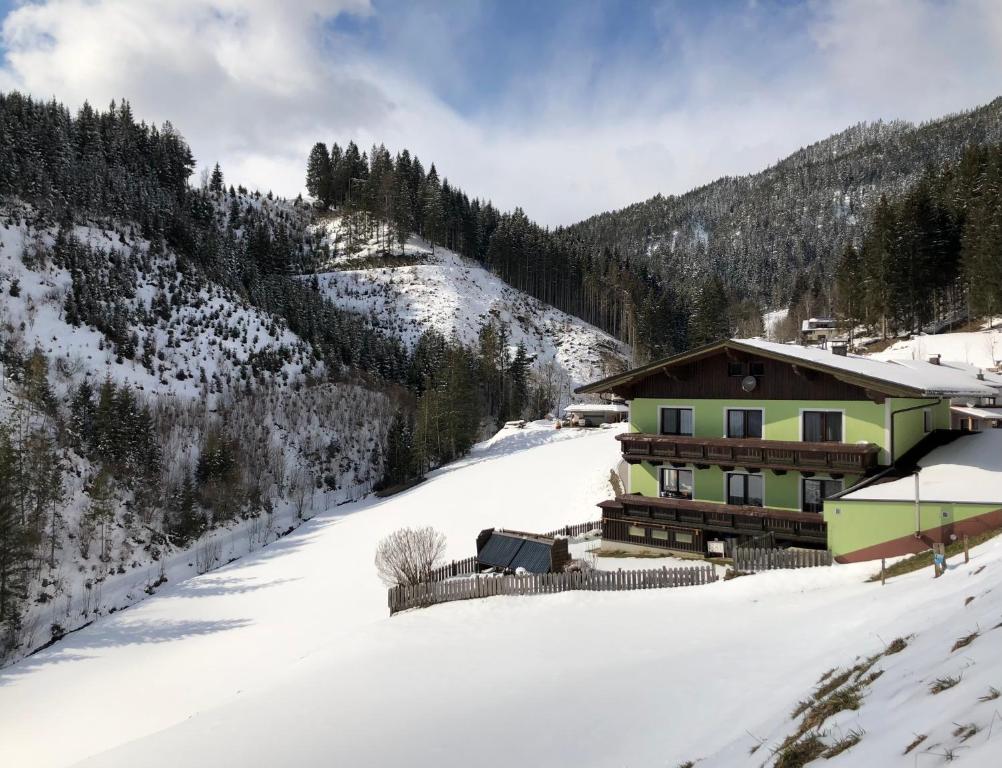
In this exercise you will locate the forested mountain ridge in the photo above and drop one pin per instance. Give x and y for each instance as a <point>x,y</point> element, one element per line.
<point>177,389</point>
<point>669,272</point>
<point>772,235</point>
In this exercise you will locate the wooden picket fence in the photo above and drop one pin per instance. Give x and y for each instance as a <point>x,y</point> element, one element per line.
<point>429,593</point>
<point>468,565</point>
<point>574,530</point>
<point>752,559</point>
<point>453,569</point>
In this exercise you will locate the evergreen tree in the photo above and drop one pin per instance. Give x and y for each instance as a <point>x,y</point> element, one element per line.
<point>711,319</point>
<point>216,180</point>
<point>319,175</point>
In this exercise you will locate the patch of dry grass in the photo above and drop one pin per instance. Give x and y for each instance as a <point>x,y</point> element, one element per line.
<point>965,641</point>
<point>919,738</point>
<point>850,740</point>
<point>941,684</point>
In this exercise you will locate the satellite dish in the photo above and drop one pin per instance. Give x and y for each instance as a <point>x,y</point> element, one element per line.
<point>748,383</point>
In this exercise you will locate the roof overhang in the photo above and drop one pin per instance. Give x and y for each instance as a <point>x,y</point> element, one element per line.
<point>869,383</point>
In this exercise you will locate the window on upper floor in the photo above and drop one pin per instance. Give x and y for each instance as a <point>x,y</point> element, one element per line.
<point>676,421</point>
<point>822,427</point>
<point>744,422</point>
<point>735,368</point>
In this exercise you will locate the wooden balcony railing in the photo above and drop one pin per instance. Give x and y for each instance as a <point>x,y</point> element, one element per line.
<point>726,519</point>
<point>845,458</point>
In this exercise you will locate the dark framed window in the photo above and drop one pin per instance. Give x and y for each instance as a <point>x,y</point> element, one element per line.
<point>815,492</point>
<point>928,423</point>
<point>735,368</point>
<point>676,421</point>
<point>745,489</point>
<point>676,483</point>
<point>744,423</point>
<point>756,368</point>
<point>822,427</point>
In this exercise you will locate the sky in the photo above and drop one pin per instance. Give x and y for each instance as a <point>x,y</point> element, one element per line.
<point>566,108</point>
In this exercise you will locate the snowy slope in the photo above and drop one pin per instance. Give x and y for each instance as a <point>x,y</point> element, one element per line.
<point>455,296</point>
<point>212,331</point>
<point>288,657</point>
<point>220,364</point>
<point>982,349</point>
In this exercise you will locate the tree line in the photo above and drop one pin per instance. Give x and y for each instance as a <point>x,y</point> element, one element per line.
<point>932,253</point>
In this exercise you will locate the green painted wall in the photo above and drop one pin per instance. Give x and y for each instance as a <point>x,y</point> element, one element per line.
<point>909,425</point>
<point>855,525</point>
<point>781,491</point>
<point>864,420</point>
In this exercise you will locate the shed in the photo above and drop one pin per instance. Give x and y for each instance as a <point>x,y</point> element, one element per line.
<point>593,414</point>
<point>511,550</point>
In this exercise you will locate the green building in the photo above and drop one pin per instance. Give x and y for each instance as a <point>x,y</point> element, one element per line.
<point>745,440</point>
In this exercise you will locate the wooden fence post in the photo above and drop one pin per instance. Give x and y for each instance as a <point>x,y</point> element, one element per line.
<point>967,549</point>
<point>883,571</point>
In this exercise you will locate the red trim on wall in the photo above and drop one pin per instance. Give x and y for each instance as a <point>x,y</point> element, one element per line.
<point>910,545</point>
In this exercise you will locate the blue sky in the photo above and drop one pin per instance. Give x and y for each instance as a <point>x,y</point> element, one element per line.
<point>565,108</point>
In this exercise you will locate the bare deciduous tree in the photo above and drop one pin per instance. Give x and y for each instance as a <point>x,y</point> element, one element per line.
<point>407,555</point>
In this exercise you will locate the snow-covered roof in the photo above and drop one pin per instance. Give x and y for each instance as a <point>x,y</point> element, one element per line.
<point>818,324</point>
<point>928,378</point>
<point>978,412</point>
<point>968,470</point>
<point>895,378</point>
<point>596,408</point>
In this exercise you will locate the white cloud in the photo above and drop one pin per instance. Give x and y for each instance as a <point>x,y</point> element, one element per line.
<point>254,84</point>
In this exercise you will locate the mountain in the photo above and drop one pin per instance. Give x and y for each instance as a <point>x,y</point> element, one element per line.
<point>773,235</point>
<point>181,386</point>
<point>433,288</point>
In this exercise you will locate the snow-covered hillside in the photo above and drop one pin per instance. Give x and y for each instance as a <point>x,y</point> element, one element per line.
<point>201,337</point>
<point>98,303</point>
<point>982,349</point>
<point>288,657</point>
<point>445,292</point>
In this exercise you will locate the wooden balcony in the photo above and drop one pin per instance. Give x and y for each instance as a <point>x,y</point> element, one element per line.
<point>778,455</point>
<point>723,519</point>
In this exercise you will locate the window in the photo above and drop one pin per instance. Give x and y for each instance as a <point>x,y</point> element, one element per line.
<point>637,531</point>
<point>822,427</point>
<point>735,368</point>
<point>816,491</point>
<point>928,423</point>
<point>676,483</point>
<point>683,538</point>
<point>659,534</point>
<point>744,489</point>
<point>744,423</point>
<point>676,421</point>
<point>756,368</point>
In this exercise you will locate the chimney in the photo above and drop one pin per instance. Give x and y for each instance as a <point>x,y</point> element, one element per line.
<point>840,349</point>
<point>934,359</point>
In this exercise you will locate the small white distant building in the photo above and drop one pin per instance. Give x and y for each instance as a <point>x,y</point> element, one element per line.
<point>976,417</point>
<point>817,330</point>
<point>593,414</point>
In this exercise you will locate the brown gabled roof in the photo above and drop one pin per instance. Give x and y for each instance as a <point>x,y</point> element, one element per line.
<point>916,379</point>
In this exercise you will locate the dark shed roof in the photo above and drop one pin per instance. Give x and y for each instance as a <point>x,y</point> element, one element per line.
<point>511,550</point>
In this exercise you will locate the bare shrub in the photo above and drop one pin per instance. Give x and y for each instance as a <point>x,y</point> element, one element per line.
<point>408,555</point>
<point>207,554</point>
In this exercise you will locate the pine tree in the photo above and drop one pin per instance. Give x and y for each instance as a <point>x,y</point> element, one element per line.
<point>711,319</point>
<point>319,175</point>
<point>216,180</point>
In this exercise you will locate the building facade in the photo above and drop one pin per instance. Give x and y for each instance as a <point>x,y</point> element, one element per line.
<point>744,440</point>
